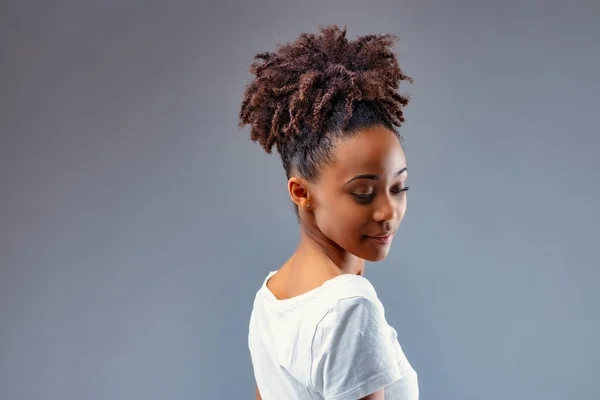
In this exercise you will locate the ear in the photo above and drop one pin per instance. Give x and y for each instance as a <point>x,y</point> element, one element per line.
<point>298,190</point>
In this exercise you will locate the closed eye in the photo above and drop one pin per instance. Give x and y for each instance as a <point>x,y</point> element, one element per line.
<point>400,190</point>
<point>367,198</point>
<point>363,198</point>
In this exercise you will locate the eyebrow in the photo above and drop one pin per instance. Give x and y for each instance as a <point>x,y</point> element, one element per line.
<point>375,177</point>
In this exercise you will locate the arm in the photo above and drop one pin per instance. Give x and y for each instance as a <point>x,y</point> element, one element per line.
<point>378,395</point>
<point>260,398</point>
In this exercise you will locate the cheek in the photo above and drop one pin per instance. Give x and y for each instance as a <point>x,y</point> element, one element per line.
<point>404,205</point>
<point>342,223</point>
<point>402,208</point>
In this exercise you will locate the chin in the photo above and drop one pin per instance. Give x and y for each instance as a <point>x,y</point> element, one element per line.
<point>368,251</point>
<point>378,257</point>
<point>373,252</point>
<point>374,256</point>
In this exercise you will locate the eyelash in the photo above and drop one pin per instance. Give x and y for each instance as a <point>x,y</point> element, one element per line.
<point>366,198</point>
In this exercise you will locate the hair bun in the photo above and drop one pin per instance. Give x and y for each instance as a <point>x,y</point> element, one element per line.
<point>298,86</point>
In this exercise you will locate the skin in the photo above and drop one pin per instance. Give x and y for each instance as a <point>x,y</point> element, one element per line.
<point>346,208</point>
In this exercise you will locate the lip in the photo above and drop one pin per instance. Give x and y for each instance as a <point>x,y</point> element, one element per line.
<point>382,239</point>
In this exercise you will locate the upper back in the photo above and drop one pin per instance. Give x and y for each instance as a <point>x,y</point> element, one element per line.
<point>281,332</point>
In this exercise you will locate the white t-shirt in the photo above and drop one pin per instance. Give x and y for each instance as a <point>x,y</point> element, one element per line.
<point>332,343</point>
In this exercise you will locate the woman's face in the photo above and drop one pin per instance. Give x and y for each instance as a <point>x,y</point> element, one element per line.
<point>360,199</point>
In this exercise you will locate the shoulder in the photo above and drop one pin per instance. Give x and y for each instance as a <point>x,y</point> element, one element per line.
<point>350,286</point>
<point>350,312</point>
<point>353,332</point>
<point>350,299</point>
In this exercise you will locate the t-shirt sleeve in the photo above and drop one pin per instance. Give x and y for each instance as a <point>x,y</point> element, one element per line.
<point>352,354</point>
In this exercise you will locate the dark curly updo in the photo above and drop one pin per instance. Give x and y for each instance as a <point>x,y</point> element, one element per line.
<point>319,88</point>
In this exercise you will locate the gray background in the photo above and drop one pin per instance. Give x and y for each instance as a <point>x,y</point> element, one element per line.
<point>137,221</point>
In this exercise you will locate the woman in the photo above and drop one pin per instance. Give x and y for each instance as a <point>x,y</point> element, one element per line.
<point>329,105</point>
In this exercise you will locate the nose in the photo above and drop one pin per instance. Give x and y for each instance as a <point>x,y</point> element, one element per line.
<point>385,210</point>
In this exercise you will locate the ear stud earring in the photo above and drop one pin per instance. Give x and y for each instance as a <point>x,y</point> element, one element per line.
<point>307,205</point>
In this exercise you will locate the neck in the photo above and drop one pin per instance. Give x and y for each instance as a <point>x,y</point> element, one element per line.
<point>322,256</point>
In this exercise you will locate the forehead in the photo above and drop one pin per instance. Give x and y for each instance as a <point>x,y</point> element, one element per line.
<point>375,150</point>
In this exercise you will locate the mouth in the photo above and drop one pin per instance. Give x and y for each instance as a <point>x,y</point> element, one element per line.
<point>382,239</point>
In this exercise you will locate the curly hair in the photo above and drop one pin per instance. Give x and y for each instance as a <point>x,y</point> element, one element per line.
<point>320,88</point>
